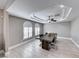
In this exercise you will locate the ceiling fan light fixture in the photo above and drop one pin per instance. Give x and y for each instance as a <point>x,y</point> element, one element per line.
<point>61,19</point>
<point>61,6</point>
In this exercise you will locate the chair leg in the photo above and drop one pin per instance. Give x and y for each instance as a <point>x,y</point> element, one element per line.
<point>53,46</point>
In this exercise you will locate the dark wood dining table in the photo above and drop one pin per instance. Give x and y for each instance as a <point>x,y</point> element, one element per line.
<point>46,40</point>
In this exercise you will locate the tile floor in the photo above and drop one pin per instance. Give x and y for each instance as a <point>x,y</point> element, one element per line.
<point>32,49</point>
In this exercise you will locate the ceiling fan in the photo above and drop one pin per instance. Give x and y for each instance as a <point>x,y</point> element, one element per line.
<point>52,18</point>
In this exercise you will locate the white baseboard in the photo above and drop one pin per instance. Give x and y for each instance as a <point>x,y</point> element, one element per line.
<point>75,43</point>
<point>67,38</point>
<point>14,46</point>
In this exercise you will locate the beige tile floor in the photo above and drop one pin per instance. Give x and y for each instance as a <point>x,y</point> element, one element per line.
<point>65,49</point>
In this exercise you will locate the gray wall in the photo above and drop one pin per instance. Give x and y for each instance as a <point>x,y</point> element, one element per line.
<point>1,33</point>
<point>41,29</point>
<point>75,30</point>
<point>62,29</point>
<point>1,29</point>
<point>16,30</point>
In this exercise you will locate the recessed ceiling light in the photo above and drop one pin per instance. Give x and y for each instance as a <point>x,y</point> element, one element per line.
<point>61,6</point>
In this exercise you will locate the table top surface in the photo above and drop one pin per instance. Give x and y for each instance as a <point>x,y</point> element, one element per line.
<point>48,38</point>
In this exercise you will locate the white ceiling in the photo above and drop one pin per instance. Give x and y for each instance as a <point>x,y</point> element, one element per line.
<point>41,8</point>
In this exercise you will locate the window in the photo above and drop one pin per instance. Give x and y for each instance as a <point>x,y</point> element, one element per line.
<point>30,31</point>
<point>37,29</point>
<point>27,30</point>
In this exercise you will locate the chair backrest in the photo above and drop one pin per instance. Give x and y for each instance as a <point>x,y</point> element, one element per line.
<point>41,35</point>
<point>46,33</point>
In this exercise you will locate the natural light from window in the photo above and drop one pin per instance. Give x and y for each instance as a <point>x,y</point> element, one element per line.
<point>27,30</point>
